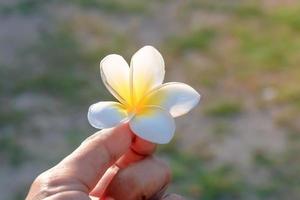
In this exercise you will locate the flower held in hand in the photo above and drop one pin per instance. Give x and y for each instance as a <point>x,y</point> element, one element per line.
<point>145,102</point>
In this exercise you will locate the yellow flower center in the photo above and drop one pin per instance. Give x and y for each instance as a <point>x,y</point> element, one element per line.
<point>137,107</point>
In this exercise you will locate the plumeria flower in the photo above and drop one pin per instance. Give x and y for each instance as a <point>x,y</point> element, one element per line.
<point>144,102</point>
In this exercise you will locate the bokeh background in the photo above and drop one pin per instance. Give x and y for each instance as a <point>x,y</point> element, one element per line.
<point>242,142</point>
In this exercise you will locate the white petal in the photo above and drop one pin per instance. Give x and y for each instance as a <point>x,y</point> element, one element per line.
<point>153,124</point>
<point>115,75</point>
<point>106,114</point>
<point>147,71</point>
<point>177,98</point>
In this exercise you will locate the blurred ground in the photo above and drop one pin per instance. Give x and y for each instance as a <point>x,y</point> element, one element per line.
<point>242,142</point>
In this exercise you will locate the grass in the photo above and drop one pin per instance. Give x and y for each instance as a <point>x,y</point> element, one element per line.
<point>197,40</point>
<point>275,48</point>
<point>3,83</point>
<point>116,6</point>
<point>266,53</point>
<point>222,129</point>
<point>117,45</point>
<point>288,120</point>
<point>242,9</point>
<point>24,7</point>
<point>224,108</point>
<point>248,10</point>
<point>287,16</point>
<point>291,95</point>
<point>75,137</point>
<point>21,194</point>
<point>199,181</point>
<point>10,117</point>
<point>219,184</point>
<point>68,87</point>
<point>12,151</point>
<point>179,161</point>
<point>288,98</point>
<point>58,49</point>
<point>214,6</point>
<point>66,74</point>
<point>283,172</point>
<point>29,6</point>
<point>261,159</point>
<point>268,191</point>
<point>263,53</point>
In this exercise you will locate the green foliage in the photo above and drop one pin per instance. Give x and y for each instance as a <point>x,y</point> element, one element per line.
<point>197,40</point>
<point>220,183</point>
<point>250,10</point>
<point>269,190</point>
<point>75,137</point>
<point>12,150</point>
<point>290,94</point>
<point>288,16</point>
<point>66,74</point>
<point>10,117</point>
<point>170,149</point>
<point>259,45</point>
<point>199,181</point>
<point>242,9</point>
<point>21,194</point>
<point>275,48</point>
<point>181,163</point>
<point>58,49</point>
<point>23,7</point>
<point>262,52</point>
<point>222,129</point>
<point>118,44</point>
<point>261,159</point>
<point>132,6</point>
<point>223,108</point>
<point>61,85</point>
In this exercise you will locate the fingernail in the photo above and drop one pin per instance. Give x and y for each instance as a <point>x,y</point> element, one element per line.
<point>160,194</point>
<point>172,196</point>
<point>165,196</point>
<point>108,198</point>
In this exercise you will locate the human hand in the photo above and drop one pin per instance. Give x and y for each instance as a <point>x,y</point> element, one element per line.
<point>111,164</point>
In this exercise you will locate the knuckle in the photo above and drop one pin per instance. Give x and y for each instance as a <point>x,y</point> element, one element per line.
<point>91,138</point>
<point>44,182</point>
<point>133,183</point>
<point>48,184</point>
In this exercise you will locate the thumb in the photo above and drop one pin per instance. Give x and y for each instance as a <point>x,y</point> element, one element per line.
<point>82,169</point>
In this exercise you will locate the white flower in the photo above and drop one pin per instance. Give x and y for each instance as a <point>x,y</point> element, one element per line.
<point>148,105</point>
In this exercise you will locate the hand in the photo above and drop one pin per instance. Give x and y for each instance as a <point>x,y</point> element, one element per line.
<point>111,164</point>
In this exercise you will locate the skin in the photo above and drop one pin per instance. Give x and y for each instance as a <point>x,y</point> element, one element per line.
<point>112,164</point>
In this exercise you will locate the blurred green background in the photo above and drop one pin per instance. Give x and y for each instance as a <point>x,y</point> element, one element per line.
<point>243,56</point>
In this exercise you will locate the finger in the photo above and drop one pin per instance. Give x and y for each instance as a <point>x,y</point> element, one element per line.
<point>142,147</point>
<point>172,197</point>
<point>94,156</point>
<point>139,180</point>
<point>139,149</point>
